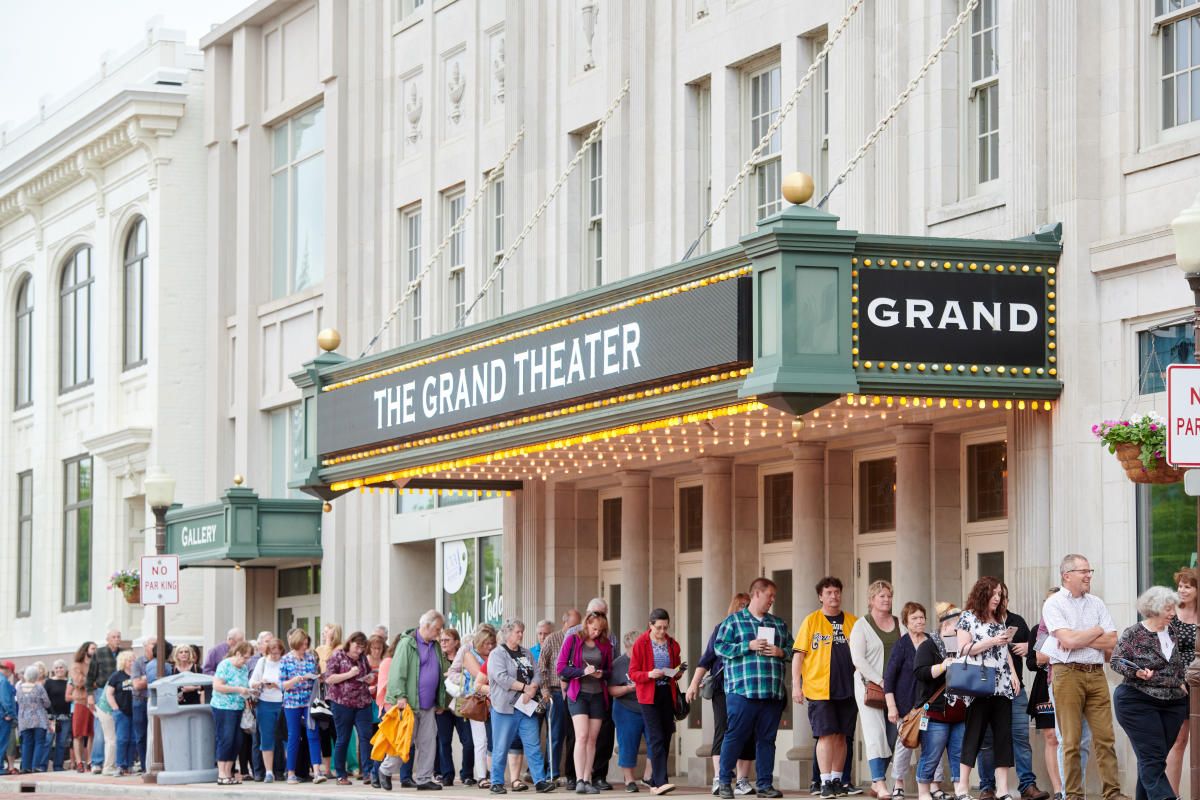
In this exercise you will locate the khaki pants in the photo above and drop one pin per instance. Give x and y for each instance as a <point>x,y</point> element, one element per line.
<point>1079,695</point>
<point>109,726</point>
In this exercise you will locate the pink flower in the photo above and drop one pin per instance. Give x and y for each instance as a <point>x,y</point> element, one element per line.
<point>1153,427</point>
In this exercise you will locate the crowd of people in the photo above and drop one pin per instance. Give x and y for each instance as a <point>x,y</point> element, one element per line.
<point>971,682</point>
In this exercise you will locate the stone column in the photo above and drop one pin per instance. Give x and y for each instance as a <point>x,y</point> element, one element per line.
<point>914,556</point>
<point>1033,565</point>
<point>635,547</point>
<point>717,538</point>
<point>947,518</point>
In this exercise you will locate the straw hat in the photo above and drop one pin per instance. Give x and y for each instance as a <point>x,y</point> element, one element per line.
<point>946,610</point>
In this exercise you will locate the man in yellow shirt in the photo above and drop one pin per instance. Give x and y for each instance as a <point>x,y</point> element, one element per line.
<point>823,676</point>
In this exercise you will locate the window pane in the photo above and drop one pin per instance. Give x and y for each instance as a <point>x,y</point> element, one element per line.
<point>279,234</point>
<point>85,480</point>
<point>279,140</point>
<point>990,564</point>
<point>458,584</point>
<point>611,547</point>
<point>72,483</point>
<point>1166,533</point>
<point>308,132</point>
<point>83,557</point>
<point>24,543</point>
<point>691,519</point>
<point>877,495</point>
<point>66,344</point>
<point>491,584</point>
<point>1168,102</point>
<point>308,236</point>
<point>987,482</point>
<point>83,330</point>
<point>135,311</point>
<point>777,508</point>
<point>1181,99</point>
<point>1157,349</point>
<point>412,501</point>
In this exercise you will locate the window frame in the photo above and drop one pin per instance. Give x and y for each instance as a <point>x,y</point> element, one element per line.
<point>24,582</point>
<point>23,319</point>
<point>290,166</point>
<point>1158,24</point>
<point>71,601</point>
<point>74,382</point>
<point>987,87</point>
<point>765,478</point>
<point>701,94</point>
<point>593,216</point>
<point>969,497</point>
<point>494,242</point>
<point>860,503</point>
<point>767,173</point>
<point>996,524</point>
<point>455,255</point>
<point>610,502</point>
<point>410,266</point>
<point>680,488</point>
<point>135,262</point>
<point>820,114</point>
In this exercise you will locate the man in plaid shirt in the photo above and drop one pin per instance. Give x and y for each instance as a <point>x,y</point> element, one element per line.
<point>750,642</point>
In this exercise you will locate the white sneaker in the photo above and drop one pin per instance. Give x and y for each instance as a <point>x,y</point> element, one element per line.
<point>743,787</point>
<point>716,790</point>
<point>269,777</point>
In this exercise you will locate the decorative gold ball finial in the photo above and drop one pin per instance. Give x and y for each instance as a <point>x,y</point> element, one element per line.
<point>329,339</point>
<point>797,187</point>
<point>238,480</point>
<point>327,507</point>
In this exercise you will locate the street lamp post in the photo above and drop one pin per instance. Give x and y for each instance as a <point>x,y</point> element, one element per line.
<point>160,494</point>
<point>1187,257</point>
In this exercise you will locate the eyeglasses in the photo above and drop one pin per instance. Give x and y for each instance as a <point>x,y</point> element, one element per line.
<point>1083,571</point>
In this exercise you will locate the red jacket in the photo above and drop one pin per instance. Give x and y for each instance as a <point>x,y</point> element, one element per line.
<point>641,661</point>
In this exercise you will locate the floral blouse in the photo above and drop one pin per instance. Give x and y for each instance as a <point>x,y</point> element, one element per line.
<point>233,676</point>
<point>993,656</point>
<point>291,666</point>
<point>32,706</point>
<point>352,693</point>
<point>1184,634</point>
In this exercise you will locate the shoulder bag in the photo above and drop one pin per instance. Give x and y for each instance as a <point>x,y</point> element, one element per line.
<point>473,707</point>
<point>873,696</point>
<point>910,726</point>
<point>971,680</point>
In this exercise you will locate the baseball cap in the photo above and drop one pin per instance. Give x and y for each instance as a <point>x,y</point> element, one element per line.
<point>8,665</point>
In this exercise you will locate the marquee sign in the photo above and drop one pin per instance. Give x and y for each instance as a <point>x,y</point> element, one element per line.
<point>688,330</point>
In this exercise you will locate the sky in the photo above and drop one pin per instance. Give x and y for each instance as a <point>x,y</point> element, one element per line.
<point>49,46</point>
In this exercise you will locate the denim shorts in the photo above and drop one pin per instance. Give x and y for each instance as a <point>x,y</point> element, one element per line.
<point>591,705</point>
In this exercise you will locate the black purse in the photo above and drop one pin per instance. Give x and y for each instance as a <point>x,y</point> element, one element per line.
<point>682,707</point>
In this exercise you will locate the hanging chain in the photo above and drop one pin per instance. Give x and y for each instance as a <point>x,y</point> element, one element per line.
<point>454,229</point>
<point>583,148</point>
<point>901,99</point>
<point>765,141</point>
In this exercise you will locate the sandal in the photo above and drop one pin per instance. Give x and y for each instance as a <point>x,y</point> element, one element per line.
<point>224,781</point>
<point>485,784</point>
<point>520,786</point>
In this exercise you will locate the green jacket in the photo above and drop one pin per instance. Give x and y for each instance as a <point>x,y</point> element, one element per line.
<point>404,673</point>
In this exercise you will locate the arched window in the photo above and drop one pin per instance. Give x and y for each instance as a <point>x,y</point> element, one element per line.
<point>75,324</point>
<point>136,254</point>
<point>24,340</point>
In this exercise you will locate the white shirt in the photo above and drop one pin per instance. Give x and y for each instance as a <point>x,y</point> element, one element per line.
<point>1063,610</point>
<point>267,671</point>
<point>1165,644</point>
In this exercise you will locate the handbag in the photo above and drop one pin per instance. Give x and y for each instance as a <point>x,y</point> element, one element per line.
<point>910,726</point>
<point>708,685</point>
<point>248,723</point>
<point>971,680</point>
<point>318,706</point>
<point>473,707</point>
<point>682,708</point>
<point>454,685</point>
<point>873,697</point>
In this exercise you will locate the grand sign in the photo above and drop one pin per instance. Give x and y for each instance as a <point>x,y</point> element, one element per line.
<point>953,317</point>
<point>691,331</point>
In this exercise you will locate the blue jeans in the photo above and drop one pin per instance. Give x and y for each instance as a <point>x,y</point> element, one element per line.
<point>267,718</point>
<point>140,724</point>
<point>227,725</point>
<point>447,724</point>
<point>6,728</point>
<point>125,741</point>
<point>60,742</point>
<point>631,729</point>
<point>751,720</point>
<point>297,726</point>
<point>936,740</point>
<point>97,733</point>
<point>506,728</point>
<point>346,719</point>
<point>33,743</point>
<point>1022,755</point>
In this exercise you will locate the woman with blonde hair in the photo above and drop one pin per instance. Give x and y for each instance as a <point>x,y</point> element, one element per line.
<point>870,647</point>
<point>475,681</point>
<point>1183,629</point>
<point>119,691</point>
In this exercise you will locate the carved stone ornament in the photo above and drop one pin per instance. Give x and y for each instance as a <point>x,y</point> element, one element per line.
<point>590,10</point>
<point>498,70</point>
<point>412,112</point>
<point>456,86</point>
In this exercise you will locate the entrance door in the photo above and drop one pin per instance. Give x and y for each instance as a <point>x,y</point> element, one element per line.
<point>298,601</point>
<point>307,617</point>
<point>987,554</point>
<point>610,590</point>
<point>874,563</point>
<point>692,637</point>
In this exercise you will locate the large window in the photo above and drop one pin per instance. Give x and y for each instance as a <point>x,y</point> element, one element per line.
<point>298,203</point>
<point>1160,347</point>
<point>75,333</point>
<point>411,258</point>
<point>1177,23</point>
<point>691,519</point>
<point>987,482</point>
<point>77,533</point>
<point>768,170</point>
<point>472,582</point>
<point>24,544</point>
<point>610,524</point>
<point>455,203</point>
<point>595,213</point>
<point>984,93</point>
<point>777,508</point>
<point>23,339</point>
<point>136,254</point>
<point>1166,525</point>
<point>877,495</point>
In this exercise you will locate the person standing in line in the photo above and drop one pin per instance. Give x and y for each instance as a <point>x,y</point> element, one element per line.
<point>514,678</point>
<point>81,715</point>
<point>712,665</point>
<point>448,722</point>
<point>823,676</point>
<point>57,687</point>
<point>267,679</point>
<point>415,679</point>
<point>184,659</point>
<point>544,629</point>
<point>945,713</point>
<point>299,673</point>
<point>33,720</point>
<point>900,687</point>
<point>627,717</point>
<point>1041,708</point>
<point>8,710</point>
<point>871,642</point>
<point>119,692</point>
<point>103,664</point>
<point>606,739</point>
<point>1183,629</point>
<point>475,680</point>
<point>750,644</point>
<point>231,687</point>
<point>1080,631</point>
<point>250,756</point>
<point>220,651</point>
<point>1152,704</point>
<point>141,694</point>
<point>558,717</point>
<point>350,679</point>
<point>585,663</point>
<point>655,667</point>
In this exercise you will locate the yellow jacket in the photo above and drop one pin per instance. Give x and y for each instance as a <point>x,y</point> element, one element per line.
<point>394,737</point>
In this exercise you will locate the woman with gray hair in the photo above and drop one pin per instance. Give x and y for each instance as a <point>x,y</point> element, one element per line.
<point>60,715</point>
<point>514,678</point>
<point>1151,705</point>
<point>33,721</point>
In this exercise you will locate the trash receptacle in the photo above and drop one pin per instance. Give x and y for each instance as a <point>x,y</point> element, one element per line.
<point>188,734</point>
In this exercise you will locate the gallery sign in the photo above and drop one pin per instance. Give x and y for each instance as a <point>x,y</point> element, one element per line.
<point>638,344</point>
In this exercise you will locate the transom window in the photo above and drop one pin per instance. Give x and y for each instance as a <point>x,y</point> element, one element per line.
<point>77,533</point>
<point>411,230</point>
<point>595,212</point>
<point>23,340</point>
<point>24,544</point>
<point>987,481</point>
<point>298,203</point>
<point>75,334</point>
<point>764,110</point>
<point>777,508</point>
<point>456,203</point>
<point>877,495</point>
<point>136,254</point>
<point>610,511</point>
<point>1177,23</point>
<point>691,519</point>
<point>984,95</point>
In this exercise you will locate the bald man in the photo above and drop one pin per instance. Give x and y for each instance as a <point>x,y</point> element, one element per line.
<point>215,656</point>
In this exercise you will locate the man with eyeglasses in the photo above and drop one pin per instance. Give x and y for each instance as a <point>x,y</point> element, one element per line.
<point>1081,634</point>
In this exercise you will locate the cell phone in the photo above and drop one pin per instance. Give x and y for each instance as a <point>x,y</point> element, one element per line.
<point>1012,631</point>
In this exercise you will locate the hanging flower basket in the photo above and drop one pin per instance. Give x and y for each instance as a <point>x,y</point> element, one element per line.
<point>134,596</point>
<point>1139,443</point>
<point>129,583</point>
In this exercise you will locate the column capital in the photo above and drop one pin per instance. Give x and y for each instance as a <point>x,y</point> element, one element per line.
<point>634,478</point>
<point>807,451</point>
<point>912,434</point>
<point>715,465</point>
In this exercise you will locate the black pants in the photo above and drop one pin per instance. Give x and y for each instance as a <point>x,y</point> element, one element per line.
<point>721,724</point>
<point>604,746</point>
<point>985,713</point>
<point>1152,726</point>
<point>660,725</point>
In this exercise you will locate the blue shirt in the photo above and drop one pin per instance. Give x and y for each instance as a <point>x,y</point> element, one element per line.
<point>8,700</point>
<point>232,676</point>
